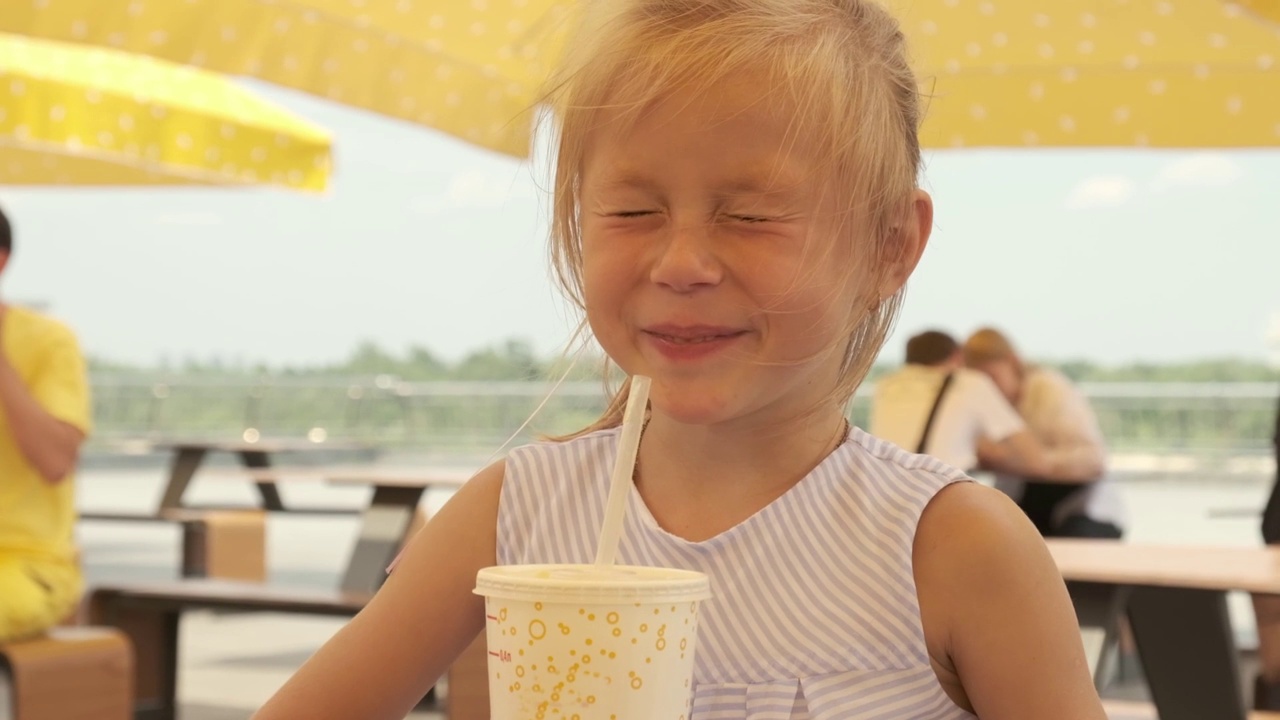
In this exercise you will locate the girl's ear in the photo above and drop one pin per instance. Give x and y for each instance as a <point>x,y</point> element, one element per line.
<point>912,235</point>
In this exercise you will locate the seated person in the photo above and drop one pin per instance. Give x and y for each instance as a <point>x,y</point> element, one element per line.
<point>1078,498</point>
<point>935,406</point>
<point>44,415</point>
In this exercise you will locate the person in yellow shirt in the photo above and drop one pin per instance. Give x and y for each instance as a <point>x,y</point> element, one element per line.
<point>44,418</point>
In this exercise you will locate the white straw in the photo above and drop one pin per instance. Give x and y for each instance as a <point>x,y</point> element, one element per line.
<point>615,510</point>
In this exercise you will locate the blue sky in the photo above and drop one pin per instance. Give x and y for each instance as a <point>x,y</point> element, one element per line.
<point>1106,255</point>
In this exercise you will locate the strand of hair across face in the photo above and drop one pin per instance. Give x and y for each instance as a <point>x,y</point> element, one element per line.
<point>573,363</point>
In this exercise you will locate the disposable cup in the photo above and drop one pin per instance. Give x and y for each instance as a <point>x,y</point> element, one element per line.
<point>580,642</point>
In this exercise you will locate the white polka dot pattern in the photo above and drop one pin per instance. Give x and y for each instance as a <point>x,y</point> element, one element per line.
<point>1160,73</point>
<point>1172,73</point>
<point>1266,9</point>
<point>73,115</point>
<point>471,68</point>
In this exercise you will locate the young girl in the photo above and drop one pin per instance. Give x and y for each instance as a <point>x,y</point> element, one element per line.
<point>736,212</point>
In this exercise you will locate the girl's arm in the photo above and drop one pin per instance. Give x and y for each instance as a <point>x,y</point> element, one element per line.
<point>996,613</point>
<point>382,662</point>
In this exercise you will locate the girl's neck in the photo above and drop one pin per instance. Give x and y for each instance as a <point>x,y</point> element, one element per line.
<point>699,481</point>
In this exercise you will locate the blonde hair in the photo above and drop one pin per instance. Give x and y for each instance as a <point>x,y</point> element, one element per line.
<point>987,345</point>
<point>842,65</point>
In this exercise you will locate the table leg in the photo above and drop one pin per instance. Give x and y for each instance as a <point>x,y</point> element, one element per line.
<point>1188,652</point>
<point>257,459</point>
<point>154,635</point>
<point>1100,605</point>
<point>1266,691</point>
<point>183,467</point>
<point>384,527</point>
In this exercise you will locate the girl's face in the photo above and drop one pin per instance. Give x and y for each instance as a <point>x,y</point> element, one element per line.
<point>717,258</point>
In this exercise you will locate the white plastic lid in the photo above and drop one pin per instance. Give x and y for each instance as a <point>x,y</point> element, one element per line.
<point>589,584</point>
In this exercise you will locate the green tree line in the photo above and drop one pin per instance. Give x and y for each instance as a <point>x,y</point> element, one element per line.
<point>515,359</point>
<point>355,398</point>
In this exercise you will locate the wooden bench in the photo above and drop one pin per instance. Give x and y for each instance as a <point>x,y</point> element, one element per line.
<point>150,615</point>
<point>224,544</point>
<point>80,673</point>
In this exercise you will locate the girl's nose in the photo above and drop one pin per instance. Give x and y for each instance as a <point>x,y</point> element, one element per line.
<point>687,260</point>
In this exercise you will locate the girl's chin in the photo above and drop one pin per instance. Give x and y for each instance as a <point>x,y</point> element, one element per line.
<point>690,406</point>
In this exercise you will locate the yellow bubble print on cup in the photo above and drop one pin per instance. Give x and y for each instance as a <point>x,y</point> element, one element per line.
<point>574,641</point>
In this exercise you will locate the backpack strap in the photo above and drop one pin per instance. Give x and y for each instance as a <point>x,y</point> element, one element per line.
<point>933,413</point>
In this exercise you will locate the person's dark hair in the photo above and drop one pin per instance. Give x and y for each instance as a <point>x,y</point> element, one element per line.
<point>931,347</point>
<point>6,233</point>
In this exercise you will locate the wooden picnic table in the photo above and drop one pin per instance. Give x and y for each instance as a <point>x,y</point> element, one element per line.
<point>1249,569</point>
<point>151,613</point>
<point>1175,598</point>
<point>1131,710</point>
<point>386,519</point>
<point>189,455</point>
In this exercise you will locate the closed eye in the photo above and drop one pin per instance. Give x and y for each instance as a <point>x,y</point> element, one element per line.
<point>749,218</point>
<point>632,213</point>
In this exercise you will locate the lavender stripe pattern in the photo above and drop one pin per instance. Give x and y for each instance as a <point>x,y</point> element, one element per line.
<point>815,615</point>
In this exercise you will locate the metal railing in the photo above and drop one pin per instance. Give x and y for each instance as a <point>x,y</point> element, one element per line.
<point>1213,418</point>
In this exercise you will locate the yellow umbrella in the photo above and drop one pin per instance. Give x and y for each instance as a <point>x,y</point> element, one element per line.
<point>71,115</point>
<point>1158,73</point>
<point>1177,73</point>
<point>468,67</point>
<point>1268,9</point>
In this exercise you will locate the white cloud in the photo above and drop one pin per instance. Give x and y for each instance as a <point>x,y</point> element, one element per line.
<point>474,190</point>
<point>1198,170</point>
<point>1101,191</point>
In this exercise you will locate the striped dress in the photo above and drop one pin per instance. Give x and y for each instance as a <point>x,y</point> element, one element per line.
<point>814,614</point>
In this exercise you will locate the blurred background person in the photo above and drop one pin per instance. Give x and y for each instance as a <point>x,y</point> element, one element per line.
<point>935,406</point>
<point>1078,499</point>
<point>44,418</point>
